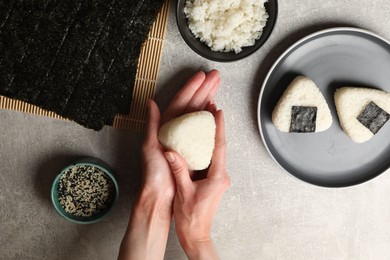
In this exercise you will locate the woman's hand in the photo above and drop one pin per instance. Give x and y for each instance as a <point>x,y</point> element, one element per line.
<point>195,202</point>
<point>158,184</point>
<point>197,94</point>
<point>148,228</point>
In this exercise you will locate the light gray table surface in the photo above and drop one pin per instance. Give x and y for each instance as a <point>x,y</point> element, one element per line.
<point>266,214</point>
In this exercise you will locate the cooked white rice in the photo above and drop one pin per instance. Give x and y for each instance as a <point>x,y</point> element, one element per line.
<point>226,25</point>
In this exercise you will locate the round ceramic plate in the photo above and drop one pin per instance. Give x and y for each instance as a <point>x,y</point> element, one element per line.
<point>332,58</point>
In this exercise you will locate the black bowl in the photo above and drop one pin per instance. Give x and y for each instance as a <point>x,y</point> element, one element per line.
<point>203,50</point>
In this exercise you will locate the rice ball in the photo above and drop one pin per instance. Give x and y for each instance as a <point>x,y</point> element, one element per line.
<point>351,102</point>
<point>302,104</point>
<point>192,136</point>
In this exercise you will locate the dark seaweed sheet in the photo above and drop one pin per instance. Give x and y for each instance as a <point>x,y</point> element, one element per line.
<point>76,58</point>
<point>18,27</point>
<point>303,119</point>
<point>373,117</point>
<point>128,53</point>
<point>34,71</point>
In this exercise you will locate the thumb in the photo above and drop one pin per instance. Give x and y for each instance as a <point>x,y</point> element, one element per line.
<point>180,173</point>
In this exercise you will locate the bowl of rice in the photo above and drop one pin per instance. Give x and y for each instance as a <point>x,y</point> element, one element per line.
<point>226,30</point>
<point>85,191</point>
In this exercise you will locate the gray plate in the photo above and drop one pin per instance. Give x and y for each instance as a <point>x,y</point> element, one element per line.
<point>331,58</point>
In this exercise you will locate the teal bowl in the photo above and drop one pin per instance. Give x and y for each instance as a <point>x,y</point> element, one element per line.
<point>93,162</point>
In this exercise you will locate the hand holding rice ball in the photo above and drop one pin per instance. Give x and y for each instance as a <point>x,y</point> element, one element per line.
<point>168,184</point>
<point>188,127</point>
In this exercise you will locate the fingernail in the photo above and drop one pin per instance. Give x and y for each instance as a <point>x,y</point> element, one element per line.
<point>170,157</point>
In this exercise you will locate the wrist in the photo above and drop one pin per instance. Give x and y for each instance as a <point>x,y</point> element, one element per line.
<point>155,206</point>
<point>199,249</point>
<point>148,228</point>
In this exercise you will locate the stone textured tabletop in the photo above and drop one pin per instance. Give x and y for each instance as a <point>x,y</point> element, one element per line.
<point>266,214</point>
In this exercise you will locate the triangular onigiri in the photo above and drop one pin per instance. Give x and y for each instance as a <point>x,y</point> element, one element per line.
<point>192,136</point>
<point>302,108</point>
<point>362,111</point>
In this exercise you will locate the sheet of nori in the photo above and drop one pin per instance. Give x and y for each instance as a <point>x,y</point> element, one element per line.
<point>80,59</point>
<point>373,117</point>
<point>32,72</point>
<point>94,72</point>
<point>100,66</point>
<point>74,54</point>
<point>17,31</point>
<point>6,6</point>
<point>303,119</point>
<point>122,78</point>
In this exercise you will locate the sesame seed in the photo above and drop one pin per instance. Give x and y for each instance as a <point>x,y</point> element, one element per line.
<point>85,191</point>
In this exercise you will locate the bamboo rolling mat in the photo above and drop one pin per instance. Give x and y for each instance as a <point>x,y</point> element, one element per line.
<point>145,81</point>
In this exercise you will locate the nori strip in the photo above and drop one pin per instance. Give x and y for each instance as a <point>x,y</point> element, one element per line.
<point>128,53</point>
<point>93,71</point>
<point>51,32</point>
<point>123,77</point>
<point>16,35</point>
<point>303,119</point>
<point>74,54</point>
<point>76,58</point>
<point>373,117</point>
<point>99,64</point>
<point>7,7</point>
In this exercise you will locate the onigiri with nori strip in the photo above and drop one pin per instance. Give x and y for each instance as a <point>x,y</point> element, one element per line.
<point>362,112</point>
<point>302,108</point>
<point>192,136</point>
